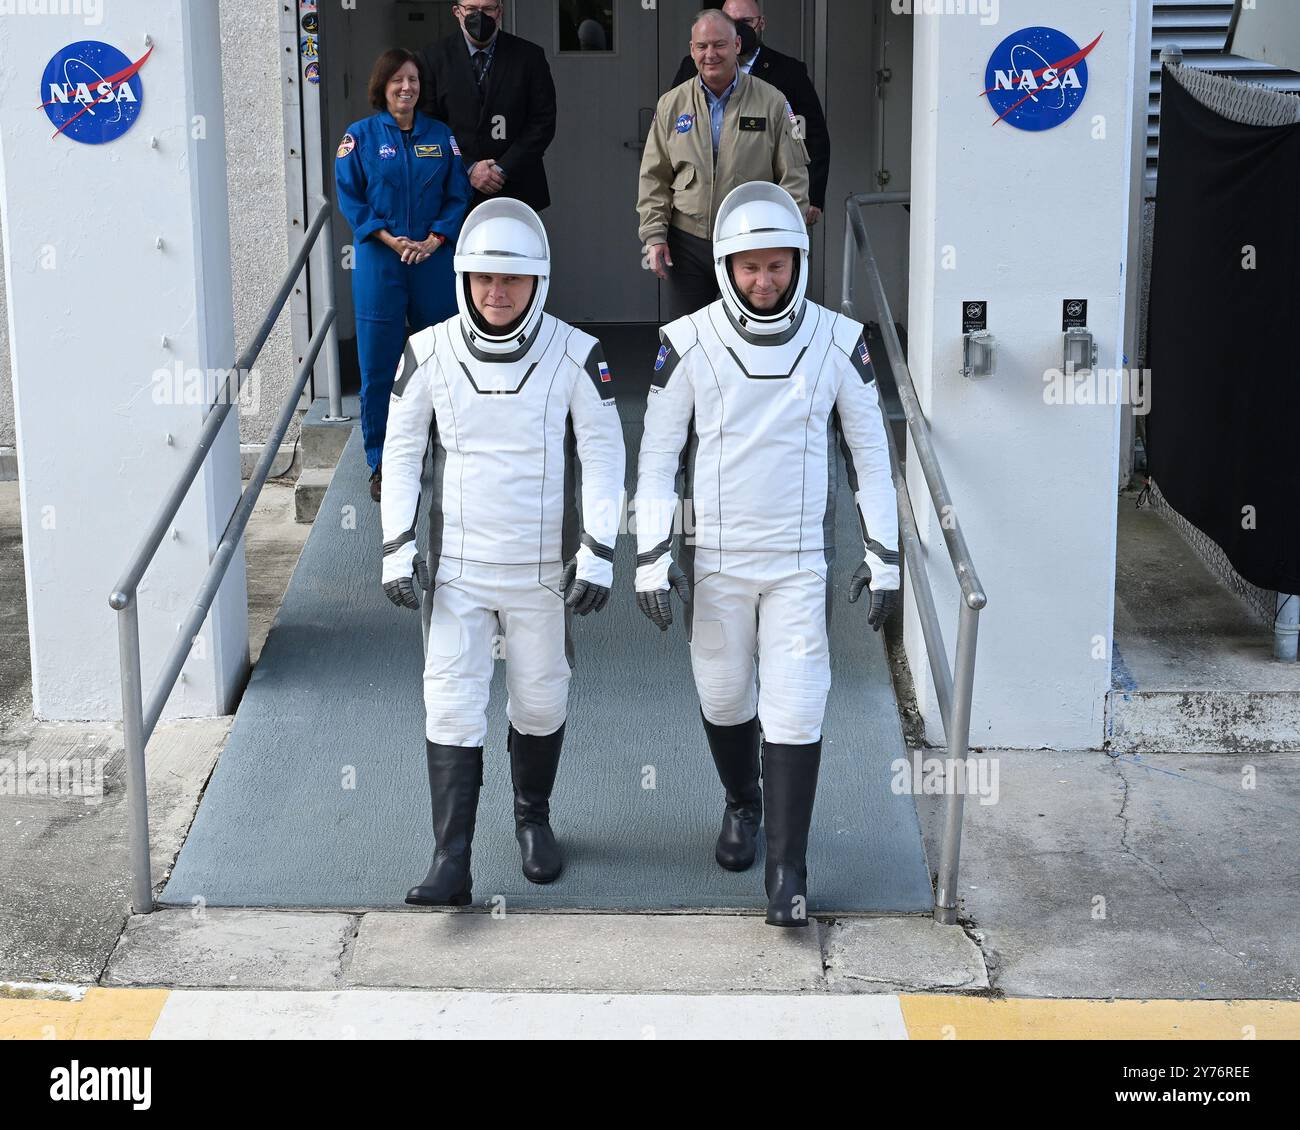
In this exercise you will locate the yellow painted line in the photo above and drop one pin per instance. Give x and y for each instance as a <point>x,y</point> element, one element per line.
<point>978,1018</point>
<point>103,1014</point>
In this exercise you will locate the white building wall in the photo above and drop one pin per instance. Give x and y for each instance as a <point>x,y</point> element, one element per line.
<point>1022,220</point>
<point>250,66</point>
<point>117,264</point>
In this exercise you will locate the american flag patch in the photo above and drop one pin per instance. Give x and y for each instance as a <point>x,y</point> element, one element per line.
<point>863,355</point>
<point>605,375</point>
<point>454,147</point>
<point>790,113</point>
<point>662,357</point>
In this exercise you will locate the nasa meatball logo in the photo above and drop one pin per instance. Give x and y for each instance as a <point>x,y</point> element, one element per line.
<point>662,357</point>
<point>1037,78</point>
<point>685,122</point>
<point>387,152</point>
<point>92,92</point>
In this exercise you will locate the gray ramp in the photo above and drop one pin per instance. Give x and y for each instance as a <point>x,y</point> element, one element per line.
<point>320,796</point>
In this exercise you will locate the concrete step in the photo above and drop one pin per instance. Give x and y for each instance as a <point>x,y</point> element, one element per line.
<point>322,443</point>
<point>1192,669</point>
<point>309,493</point>
<point>323,440</point>
<point>1203,721</point>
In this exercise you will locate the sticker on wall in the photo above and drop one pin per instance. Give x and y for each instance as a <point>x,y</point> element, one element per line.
<point>310,48</point>
<point>1036,78</point>
<point>310,22</point>
<point>974,316</point>
<point>1074,313</point>
<point>312,72</point>
<point>92,92</point>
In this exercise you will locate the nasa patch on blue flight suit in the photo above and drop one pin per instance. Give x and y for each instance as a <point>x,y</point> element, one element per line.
<point>387,152</point>
<point>428,150</point>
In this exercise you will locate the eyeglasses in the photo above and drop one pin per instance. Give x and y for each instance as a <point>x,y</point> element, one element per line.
<point>490,9</point>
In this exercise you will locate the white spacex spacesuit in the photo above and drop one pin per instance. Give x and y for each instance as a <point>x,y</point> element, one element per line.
<point>747,408</point>
<point>510,415</point>
<point>759,419</point>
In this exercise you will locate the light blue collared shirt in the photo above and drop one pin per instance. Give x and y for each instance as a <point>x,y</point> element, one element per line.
<point>718,107</point>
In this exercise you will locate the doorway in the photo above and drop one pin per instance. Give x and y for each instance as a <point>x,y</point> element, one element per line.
<point>611,59</point>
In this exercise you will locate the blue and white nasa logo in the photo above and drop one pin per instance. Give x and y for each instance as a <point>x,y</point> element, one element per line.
<point>662,357</point>
<point>387,152</point>
<point>684,123</point>
<point>92,92</point>
<point>1037,78</point>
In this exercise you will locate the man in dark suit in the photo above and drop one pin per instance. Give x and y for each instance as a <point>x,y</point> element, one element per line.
<point>496,93</point>
<point>790,77</point>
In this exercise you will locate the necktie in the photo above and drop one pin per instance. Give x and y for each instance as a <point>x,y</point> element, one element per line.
<point>480,67</point>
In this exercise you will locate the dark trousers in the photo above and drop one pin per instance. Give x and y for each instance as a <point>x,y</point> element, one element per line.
<point>691,283</point>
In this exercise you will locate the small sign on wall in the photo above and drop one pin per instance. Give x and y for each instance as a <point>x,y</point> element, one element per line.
<point>1074,313</point>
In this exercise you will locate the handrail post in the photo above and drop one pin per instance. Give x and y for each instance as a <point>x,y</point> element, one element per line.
<point>945,893</point>
<point>325,260</point>
<point>133,737</point>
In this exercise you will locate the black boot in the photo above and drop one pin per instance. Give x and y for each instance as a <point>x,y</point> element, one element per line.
<point>533,762</point>
<point>455,773</point>
<point>790,785</point>
<point>735,753</point>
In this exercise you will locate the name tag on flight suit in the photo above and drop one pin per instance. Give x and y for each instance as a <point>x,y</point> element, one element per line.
<point>754,125</point>
<point>428,150</point>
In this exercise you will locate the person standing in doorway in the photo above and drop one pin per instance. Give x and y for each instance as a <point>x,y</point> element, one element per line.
<point>717,131</point>
<point>496,92</point>
<point>790,77</point>
<point>403,189</point>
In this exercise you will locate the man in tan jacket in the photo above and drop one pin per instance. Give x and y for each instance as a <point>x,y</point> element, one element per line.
<point>720,129</point>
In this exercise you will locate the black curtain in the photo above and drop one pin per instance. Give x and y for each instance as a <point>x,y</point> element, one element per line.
<point>1224,422</point>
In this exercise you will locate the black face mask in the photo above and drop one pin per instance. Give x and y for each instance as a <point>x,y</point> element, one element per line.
<point>480,26</point>
<point>748,39</point>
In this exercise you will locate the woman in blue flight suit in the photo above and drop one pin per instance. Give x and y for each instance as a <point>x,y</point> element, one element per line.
<point>402,186</point>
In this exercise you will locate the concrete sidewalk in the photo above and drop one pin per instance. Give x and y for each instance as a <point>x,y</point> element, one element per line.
<point>1092,876</point>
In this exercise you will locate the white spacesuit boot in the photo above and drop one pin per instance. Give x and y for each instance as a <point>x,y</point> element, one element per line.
<point>750,399</point>
<point>528,467</point>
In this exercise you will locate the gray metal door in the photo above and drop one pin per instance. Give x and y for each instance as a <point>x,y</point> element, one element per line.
<point>604,57</point>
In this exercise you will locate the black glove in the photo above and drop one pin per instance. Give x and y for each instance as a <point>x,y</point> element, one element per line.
<point>654,602</point>
<point>402,592</point>
<point>582,596</point>
<point>882,600</point>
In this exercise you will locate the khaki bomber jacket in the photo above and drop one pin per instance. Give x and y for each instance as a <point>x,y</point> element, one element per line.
<point>680,187</point>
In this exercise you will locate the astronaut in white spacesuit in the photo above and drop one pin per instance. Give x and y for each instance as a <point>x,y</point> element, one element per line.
<point>511,400</point>
<point>749,399</point>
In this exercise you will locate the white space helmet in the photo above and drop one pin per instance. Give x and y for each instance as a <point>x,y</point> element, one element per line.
<point>502,237</point>
<point>760,214</point>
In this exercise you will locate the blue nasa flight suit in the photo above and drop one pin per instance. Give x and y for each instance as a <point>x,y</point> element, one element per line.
<point>412,188</point>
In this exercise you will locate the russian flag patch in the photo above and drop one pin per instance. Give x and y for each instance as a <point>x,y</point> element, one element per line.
<point>605,375</point>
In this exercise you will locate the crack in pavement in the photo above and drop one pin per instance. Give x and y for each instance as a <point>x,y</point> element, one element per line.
<point>1124,846</point>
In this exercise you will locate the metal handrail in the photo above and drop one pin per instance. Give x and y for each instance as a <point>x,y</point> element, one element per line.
<point>953,687</point>
<point>139,720</point>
